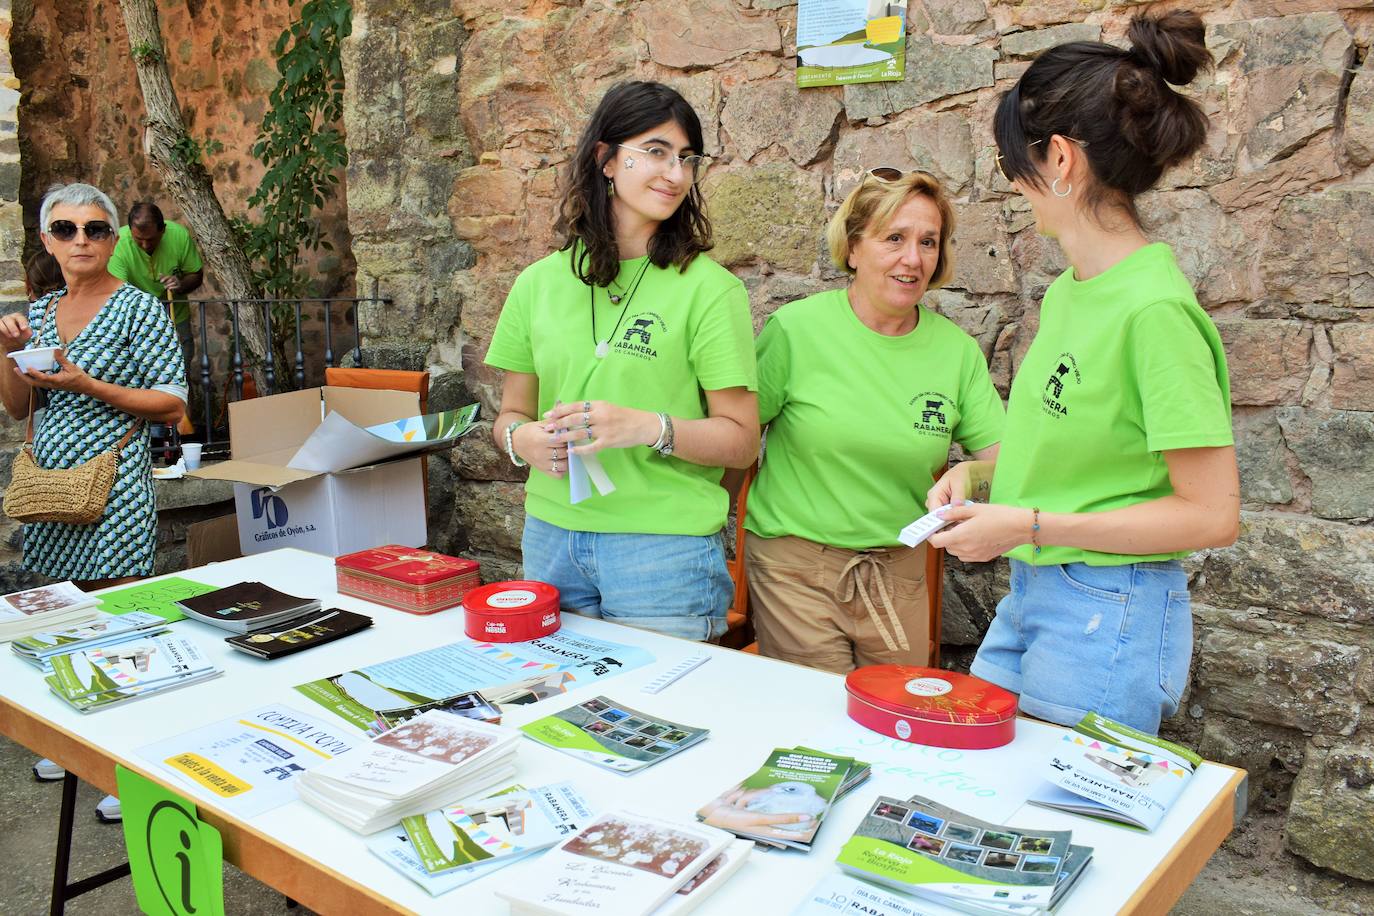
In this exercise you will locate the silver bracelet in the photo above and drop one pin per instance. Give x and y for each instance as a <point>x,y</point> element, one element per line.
<point>662,431</point>
<point>510,446</point>
<point>665,448</point>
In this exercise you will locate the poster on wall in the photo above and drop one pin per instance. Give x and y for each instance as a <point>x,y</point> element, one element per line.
<point>850,41</point>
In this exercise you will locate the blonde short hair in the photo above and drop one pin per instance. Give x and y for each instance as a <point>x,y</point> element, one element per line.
<point>873,203</point>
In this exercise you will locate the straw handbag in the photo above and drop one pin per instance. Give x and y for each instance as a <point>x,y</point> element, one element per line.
<point>72,496</point>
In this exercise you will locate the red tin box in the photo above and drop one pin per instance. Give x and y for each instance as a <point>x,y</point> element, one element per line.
<point>511,611</point>
<point>406,578</point>
<point>931,706</point>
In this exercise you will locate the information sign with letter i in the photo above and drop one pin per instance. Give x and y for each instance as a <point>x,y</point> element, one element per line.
<point>177,861</point>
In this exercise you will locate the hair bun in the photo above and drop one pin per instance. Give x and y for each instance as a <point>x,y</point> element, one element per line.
<point>1173,45</point>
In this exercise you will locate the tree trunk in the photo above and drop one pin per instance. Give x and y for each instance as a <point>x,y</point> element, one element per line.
<point>185,176</point>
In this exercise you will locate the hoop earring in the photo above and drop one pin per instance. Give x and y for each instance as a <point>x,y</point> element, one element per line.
<point>1054,188</point>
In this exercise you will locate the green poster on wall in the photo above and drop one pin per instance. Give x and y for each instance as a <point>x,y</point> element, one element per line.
<point>176,860</point>
<point>850,41</point>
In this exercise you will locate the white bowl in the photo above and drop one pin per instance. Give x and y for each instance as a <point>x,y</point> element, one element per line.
<point>36,359</point>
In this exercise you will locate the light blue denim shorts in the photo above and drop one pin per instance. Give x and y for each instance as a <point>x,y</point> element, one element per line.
<point>673,584</point>
<point>1074,639</point>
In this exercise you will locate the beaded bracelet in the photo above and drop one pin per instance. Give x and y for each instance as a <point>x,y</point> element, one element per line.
<point>1035,529</point>
<point>510,445</point>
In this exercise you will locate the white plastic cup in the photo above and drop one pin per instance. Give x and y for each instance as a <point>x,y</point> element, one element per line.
<point>190,453</point>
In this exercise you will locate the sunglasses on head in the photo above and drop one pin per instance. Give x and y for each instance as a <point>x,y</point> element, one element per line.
<point>64,230</point>
<point>888,174</point>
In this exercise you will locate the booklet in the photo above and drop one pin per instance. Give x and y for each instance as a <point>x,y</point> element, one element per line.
<point>313,629</point>
<point>612,735</point>
<point>497,828</point>
<point>622,862</point>
<point>919,846</point>
<point>100,630</point>
<point>472,704</point>
<point>246,606</point>
<point>707,881</point>
<point>1112,772</point>
<point>783,802</point>
<point>44,608</point>
<point>94,678</point>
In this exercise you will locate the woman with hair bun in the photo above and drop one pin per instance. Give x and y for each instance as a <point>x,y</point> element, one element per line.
<point>631,347</point>
<point>1117,458</point>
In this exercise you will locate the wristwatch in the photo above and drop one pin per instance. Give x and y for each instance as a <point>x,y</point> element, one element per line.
<point>664,445</point>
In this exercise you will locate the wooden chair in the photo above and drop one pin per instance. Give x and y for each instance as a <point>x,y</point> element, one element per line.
<point>386,380</point>
<point>740,634</point>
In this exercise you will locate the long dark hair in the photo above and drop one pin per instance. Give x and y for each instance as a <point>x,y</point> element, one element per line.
<point>584,216</point>
<point>1117,102</point>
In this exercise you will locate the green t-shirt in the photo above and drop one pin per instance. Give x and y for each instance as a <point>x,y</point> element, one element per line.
<point>680,334</point>
<point>859,422</point>
<point>1126,365</point>
<point>175,253</point>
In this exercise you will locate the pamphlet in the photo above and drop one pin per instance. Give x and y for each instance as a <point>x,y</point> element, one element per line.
<point>46,607</point>
<point>498,828</point>
<point>838,43</point>
<point>246,606</point>
<point>471,704</point>
<point>783,802</point>
<point>94,678</point>
<point>540,667</point>
<point>1112,772</point>
<point>100,630</point>
<point>250,762</point>
<point>612,735</point>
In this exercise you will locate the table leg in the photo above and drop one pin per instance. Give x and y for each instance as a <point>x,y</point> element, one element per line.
<point>61,890</point>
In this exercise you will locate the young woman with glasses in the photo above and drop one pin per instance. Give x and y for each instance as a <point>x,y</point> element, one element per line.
<point>863,390</point>
<point>631,354</point>
<point>1117,458</point>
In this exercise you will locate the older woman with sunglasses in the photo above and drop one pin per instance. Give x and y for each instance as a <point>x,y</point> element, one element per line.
<point>119,365</point>
<point>863,390</point>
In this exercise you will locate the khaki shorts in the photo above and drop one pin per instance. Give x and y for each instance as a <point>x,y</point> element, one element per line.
<point>808,606</point>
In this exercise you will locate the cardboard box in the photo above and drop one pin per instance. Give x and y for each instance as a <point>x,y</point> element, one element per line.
<point>349,490</point>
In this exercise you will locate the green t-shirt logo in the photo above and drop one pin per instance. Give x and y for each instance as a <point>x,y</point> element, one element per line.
<point>1064,373</point>
<point>638,339</point>
<point>935,408</point>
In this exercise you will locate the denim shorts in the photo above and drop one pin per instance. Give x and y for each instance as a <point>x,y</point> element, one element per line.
<point>1074,639</point>
<point>673,584</point>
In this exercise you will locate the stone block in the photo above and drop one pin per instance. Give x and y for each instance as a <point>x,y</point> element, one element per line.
<point>1292,69</point>
<point>1278,675</point>
<point>983,261</point>
<point>478,457</point>
<point>770,213</point>
<point>761,114</point>
<point>1291,563</point>
<point>1314,164</point>
<point>941,143</point>
<point>861,148</point>
<point>1264,474</point>
<point>1272,756</point>
<point>1031,43</point>
<point>191,491</point>
<point>933,71</point>
<point>957,17</point>
<point>702,92</point>
<point>1352,377</point>
<point>1359,116</point>
<point>1212,248</point>
<point>1333,807</point>
<point>1269,360</point>
<point>492,513</point>
<point>971,593</point>
<point>703,33</point>
<point>981,320</point>
<point>1320,248</point>
<point>1333,449</point>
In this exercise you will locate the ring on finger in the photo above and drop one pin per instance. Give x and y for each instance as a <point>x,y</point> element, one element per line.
<point>586,406</point>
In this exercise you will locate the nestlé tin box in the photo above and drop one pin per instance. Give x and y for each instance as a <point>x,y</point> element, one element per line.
<point>511,611</point>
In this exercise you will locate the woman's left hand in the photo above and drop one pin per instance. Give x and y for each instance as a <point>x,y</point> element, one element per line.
<point>69,377</point>
<point>983,532</point>
<point>607,425</point>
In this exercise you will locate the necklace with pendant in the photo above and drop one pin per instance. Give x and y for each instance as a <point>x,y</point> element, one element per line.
<point>603,347</point>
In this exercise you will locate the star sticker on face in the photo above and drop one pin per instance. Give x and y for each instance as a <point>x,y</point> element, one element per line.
<point>629,162</point>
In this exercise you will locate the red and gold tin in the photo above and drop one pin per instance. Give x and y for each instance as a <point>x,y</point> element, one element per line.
<point>407,578</point>
<point>931,706</point>
<point>511,611</point>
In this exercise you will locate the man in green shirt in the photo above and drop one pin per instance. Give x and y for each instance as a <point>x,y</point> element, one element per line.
<point>160,258</point>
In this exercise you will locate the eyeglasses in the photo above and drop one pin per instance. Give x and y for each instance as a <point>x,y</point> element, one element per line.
<point>64,230</point>
<point>664,160</point>
<point>1003,170</point>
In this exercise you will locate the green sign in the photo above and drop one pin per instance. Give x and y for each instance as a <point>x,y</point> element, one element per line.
<point>177,861</point>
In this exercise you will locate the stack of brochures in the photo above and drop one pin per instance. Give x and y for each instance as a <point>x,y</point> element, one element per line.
<point>94,678</point>
<point>472,705</point>
<point>247,606</point>
<point>926,849</point>
<point>783,802</point>
<point>622,862</point>
<point>419,765</point>
<point>1110,771</point>
<point>445,839</point>
<point>612,735</point>
<point>101,630</point>
<point>48,607</point>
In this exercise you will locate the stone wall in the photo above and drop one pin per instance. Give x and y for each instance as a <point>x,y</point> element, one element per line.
<point>461,115</point>
<point>11,216</point>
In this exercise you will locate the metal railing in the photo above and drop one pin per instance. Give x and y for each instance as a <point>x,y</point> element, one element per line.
<point>330,307</point>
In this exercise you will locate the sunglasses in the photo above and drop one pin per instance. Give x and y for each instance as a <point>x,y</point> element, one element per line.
<point>888,174</point>
<point>1003,170</point>
<point>64,230</point>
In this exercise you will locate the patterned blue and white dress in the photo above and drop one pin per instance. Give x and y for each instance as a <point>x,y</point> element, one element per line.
<point>130,342</point>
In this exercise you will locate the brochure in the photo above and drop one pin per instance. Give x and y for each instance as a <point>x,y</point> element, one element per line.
<point>1112,772</point>
<point>850,41</point>
<point>624,863</point>
<point>498,828</point>
<point>922,847</point>
<point>558,662</point>
<point>612,735</point>
<point>306,632</point>
<point>338,444</point>
<point>47,607</point>
<point>783,802</point>
<point>94,678</point>
<point>246,606</point>
<point>159,597</point>
<point>100,630</point>
<point>471,704</point>
<point>250,762</point>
